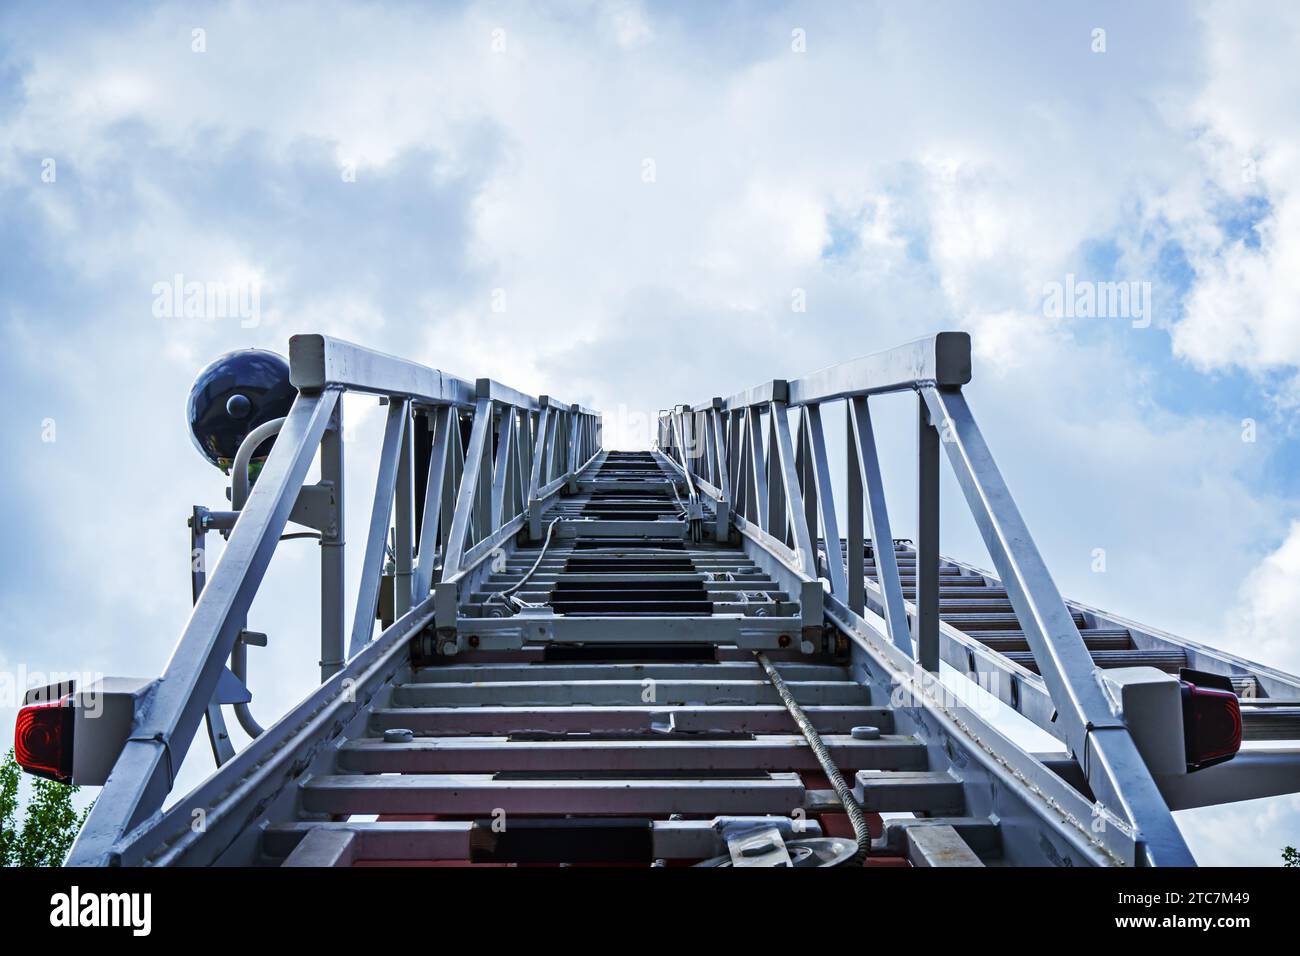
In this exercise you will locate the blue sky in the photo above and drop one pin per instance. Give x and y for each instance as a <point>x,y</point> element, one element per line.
<point>382,170</point>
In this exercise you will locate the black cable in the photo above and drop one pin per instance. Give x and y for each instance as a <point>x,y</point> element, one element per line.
<point>506,595</point>
<point>860,831</point>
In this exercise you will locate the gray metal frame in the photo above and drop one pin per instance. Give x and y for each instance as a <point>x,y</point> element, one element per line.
<point>543,438</point>
<point>781,499</point>
<point>767,481</point>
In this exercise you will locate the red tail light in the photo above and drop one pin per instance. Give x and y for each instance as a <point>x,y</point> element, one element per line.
<point>1211,721</point>
<point>43,740</point>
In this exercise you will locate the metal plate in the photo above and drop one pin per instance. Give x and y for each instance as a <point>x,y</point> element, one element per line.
<point>815,851</point>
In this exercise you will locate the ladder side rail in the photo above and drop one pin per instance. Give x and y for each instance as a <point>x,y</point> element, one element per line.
<point>553,429</point>
<point>1000,776</point>
<point>455,472</point>
<point>816,442</point>
<point>442,420</point>
<point>1014,685</point>
<point>742,467</point>
<point>721,470</point>
<point>480,520</point>
<point>691,451</point>
<point>575,445</point>
<point>714,449</point>
<point>481,510</point>
<point>587,452</point>
<point>363,624</point>
<point>169,714</point>
<point>735,457</point>
<point>317,362</point>
<point>539,453</point>
<point>937,367</point>
<point>774,505</point>
<point>1100,740</point>
<point>333,601</point>
<point>855,531</point>
<point>321,368</point>
<point>700,445</point>
<point>517,488</point>
<point>808,485</point>
<point>700,436</point>
<point>269,770</point>
<point>403,520</point>
<point>756,468</point>
<point>743,481</point>
<point>925,622</point>
<point>865,458</point>
<point>501,469</point>
<point>468,492</point>
<point>803,546</point>
<point>537,478</point>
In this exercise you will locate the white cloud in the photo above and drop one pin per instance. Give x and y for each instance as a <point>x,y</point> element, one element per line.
<point>1242,310</point>
<point>954,165</point>
<point>1263,625</point>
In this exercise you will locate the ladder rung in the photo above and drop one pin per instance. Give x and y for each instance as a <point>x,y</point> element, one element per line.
<point>483,794</point>
<point>780,752</point>
<point>1169,661</point>
<point>469,673</point>
<point>627,692</point>
<point>463,721</point>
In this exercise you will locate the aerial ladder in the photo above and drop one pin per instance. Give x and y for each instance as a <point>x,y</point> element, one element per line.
<point>565,654</point>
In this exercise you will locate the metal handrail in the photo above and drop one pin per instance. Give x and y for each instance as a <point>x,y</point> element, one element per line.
<point>489,496</point>
<point>781,494</point>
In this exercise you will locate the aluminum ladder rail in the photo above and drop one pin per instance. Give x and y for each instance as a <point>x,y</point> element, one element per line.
<point>549,723</point>
<point>742,452</point>
<point>562,738</point>
<point>487,488</point>
<point>981,637</point>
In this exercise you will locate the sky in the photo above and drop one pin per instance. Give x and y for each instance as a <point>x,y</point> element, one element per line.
<point>631,205</point>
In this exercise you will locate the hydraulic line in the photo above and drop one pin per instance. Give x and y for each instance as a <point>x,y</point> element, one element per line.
<point>860,831</point>
<point>505,595</point>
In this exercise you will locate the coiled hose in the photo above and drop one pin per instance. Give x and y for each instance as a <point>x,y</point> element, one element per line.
<point>860,831</point>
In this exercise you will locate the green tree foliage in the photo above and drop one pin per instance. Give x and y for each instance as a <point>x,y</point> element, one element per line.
<point>1290,856</point>
<point>49,825</point>
<point>10,773</point>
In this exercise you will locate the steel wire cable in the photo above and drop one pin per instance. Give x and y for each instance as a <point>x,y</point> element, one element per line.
<point>860,830</point>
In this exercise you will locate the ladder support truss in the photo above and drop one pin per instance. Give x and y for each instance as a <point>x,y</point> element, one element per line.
<point>935,368</point>
<point>512,436</point>
<point>570,634</point>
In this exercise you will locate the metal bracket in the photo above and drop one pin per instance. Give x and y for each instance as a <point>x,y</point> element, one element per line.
<point>230,689</point>
<point>756,841</point>
<point>317,508</point>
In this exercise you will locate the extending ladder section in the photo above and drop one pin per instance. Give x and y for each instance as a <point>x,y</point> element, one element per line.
<point>983,637</point>
<point>593,656</point>
<point>607,751</point>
